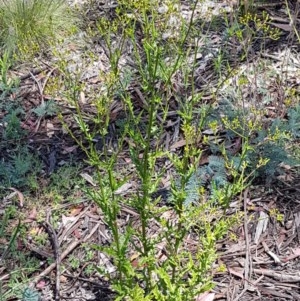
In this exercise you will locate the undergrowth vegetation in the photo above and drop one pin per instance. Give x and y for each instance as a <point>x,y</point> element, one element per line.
<point>163,70</point>
<point>228,141</point>
<point>19,166</point>
<point>28,27</point>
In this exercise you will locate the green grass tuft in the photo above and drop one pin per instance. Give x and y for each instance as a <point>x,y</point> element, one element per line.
<point>28,26</point>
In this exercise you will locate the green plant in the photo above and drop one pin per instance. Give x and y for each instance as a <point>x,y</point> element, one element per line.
<point>5,63</point>
<point>28,26</point>
<point>250,32</point>
<point>199,196</point>
<point>12,125</point>
<point>89,270</point>
<point>47,108</point>
<point>265,144</point>
<point>180,276</point>
<point>20,165</point>
<point>11,241</point>
<point>18,262</point>
<point>8,214</point>
<point>74,262</point>
<point>65,179</point>
<point>41,239</point>
<point>30,295</point>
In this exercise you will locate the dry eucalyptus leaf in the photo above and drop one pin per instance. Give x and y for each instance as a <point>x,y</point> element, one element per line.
<point>88,178</point>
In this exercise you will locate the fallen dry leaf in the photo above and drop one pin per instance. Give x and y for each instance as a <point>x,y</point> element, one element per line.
<point>82,99</point>
<point>296,253</point>
<point>206,297</point>
<point>261,225</point>
<point>41,284</point>
<point>50,129</point>
<point>76,210</point>
<point>88,178</point>
<point>127,160</point>
<point>63,279</point>
<point>123,188</point>
<point>69,149</point>
<point>18,193</point>
<point>77,233</point>
<point>285,27</point>
<point>67,219</point>
<point>178,144</point>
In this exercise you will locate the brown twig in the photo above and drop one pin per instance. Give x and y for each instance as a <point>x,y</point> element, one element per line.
<point>64,254</point>
<point>55,244</point>
<point>34,71</point>
<point>247,266</point>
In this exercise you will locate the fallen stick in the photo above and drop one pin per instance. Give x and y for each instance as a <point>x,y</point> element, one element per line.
<point>64,254</point>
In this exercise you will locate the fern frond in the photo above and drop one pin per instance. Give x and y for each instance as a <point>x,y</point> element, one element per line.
<point>30,295</point>
<point>294,121</point>
<point>214,174</point>
<point>216,163</point>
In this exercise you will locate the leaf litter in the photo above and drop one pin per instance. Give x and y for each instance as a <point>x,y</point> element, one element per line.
<point>260,257</point>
